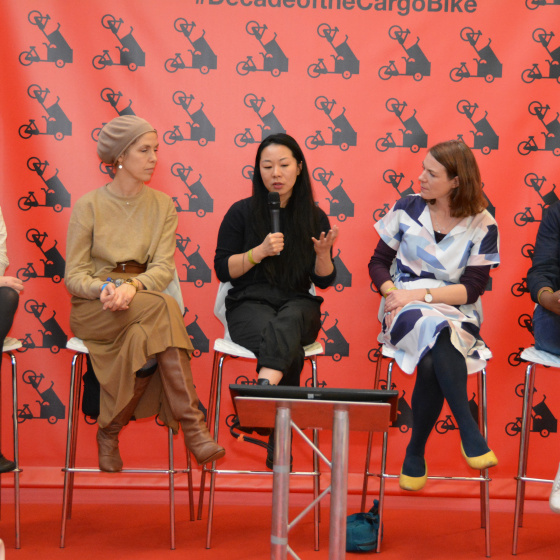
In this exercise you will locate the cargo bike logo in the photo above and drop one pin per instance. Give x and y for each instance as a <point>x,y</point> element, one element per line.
<point>269,122</point>
<point>130,52</point>
<point>346,63</point>
<point>417,64</point>
<point>57,124</point>
<point>273,58</point>
<point>203,57</point>
<point>58,51</point>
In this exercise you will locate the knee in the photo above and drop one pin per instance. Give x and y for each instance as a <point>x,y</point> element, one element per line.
<point>9,299</point>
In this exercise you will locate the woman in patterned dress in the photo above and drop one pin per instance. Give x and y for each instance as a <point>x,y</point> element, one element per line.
<point>432,264</point>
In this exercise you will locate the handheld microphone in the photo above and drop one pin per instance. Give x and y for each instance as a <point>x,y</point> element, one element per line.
<point>274,209</point>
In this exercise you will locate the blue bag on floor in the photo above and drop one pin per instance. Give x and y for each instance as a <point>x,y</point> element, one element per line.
<point>362,530</point>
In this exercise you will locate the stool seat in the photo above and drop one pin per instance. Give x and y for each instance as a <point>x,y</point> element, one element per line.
<point>541,357</point>
<point>228,347</point>
<point>11,344</point>
<point>77,345</point>
<point>485,353</point>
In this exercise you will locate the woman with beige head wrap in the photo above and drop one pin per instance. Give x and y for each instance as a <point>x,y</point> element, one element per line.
<point>120,270</point>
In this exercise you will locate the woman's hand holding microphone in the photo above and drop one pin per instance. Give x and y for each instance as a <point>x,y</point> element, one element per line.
<point>272,245</point>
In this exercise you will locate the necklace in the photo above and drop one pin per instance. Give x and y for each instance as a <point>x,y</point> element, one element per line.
<point>447,227</point>
<point>117,192</point>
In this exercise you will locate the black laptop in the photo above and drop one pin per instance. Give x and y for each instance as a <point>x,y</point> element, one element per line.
<point>317,393</point>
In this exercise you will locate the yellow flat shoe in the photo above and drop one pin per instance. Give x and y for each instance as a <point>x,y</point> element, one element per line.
<point>482,461</point>
<point>413,483</point>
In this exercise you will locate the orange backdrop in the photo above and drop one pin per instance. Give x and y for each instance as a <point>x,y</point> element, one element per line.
<point>365,85</point>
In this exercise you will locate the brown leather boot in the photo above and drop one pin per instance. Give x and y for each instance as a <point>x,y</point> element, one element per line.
<point>176,377</point>
<point>107,438</point>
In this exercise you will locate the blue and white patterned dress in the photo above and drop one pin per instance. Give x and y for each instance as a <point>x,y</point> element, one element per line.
<point>421,262</point>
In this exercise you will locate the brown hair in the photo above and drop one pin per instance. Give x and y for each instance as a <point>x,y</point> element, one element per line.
<point>459,161</point>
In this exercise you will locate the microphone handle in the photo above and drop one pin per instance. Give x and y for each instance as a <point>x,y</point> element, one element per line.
<point>275,220</point>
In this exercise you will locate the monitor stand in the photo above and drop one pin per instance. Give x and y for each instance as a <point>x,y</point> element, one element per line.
<point>341,417</point>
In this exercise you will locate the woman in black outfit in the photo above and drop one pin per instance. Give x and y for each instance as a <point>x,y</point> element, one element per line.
<point>269,309</point>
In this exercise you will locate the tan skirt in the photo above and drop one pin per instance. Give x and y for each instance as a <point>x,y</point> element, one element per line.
<point>121,342</point>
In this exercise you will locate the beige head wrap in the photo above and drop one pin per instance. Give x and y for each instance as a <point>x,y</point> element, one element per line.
<point>117,135</point>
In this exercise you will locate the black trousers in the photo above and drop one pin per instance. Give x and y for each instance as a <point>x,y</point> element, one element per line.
<point>9,300</point>
<point>275,326</point>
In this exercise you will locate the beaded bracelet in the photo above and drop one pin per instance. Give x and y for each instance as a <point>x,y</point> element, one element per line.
<point>108,281</point>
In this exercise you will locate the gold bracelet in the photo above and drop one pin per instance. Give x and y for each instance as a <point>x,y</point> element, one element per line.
<point>250,257</point>
<point>545,289</point>
<point>390,290</point>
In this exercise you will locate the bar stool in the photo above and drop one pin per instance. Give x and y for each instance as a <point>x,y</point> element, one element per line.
<point>533,357</point>
<point>483,479</point>
<point>225,348</point>
<point>10,345</point>
<point>70,468</point>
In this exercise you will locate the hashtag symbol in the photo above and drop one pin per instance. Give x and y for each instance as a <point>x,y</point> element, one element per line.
<point>200,2</point>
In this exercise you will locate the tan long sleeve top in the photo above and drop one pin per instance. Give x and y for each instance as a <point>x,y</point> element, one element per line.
<point>105,229</point>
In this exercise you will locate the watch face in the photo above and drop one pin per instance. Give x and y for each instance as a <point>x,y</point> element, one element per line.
<point>428,298</point>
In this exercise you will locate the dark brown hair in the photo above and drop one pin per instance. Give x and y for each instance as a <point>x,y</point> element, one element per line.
<point>459,161</point>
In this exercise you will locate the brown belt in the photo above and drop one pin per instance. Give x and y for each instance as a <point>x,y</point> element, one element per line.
<point>132,267</point>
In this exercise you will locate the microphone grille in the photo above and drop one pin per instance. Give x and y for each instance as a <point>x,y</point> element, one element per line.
<point>273,198</point>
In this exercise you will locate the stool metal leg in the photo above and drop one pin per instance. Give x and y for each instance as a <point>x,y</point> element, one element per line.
<point>71,437</point>
<point>16,449</point>
<point>171,489</point>
<point>75,418</point>
<point>210,421</point>
<point>382,474</point>
<point>523,451</point>
<point>216,429</point>
<point>485,483</point>
<point>367,472</point>
<point>190,483</point>
<point>316,477</point>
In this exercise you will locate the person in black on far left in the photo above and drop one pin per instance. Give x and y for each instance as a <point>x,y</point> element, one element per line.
<point>10,287</point>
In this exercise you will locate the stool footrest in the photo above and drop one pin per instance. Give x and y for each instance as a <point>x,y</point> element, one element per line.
<point>123,471</point>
